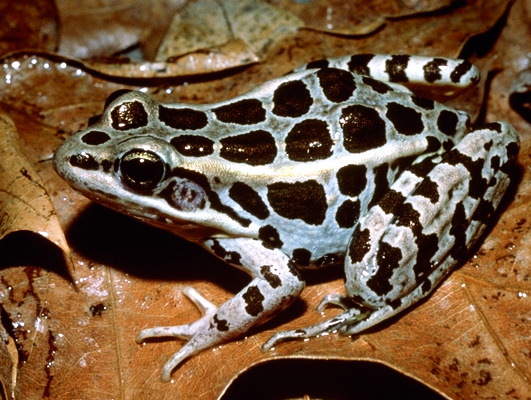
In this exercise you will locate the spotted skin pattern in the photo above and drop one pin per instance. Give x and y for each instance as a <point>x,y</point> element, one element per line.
<point>336,162</point>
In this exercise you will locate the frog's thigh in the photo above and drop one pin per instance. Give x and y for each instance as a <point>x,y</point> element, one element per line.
<point>453,75</point>
<point>428,220</point>
<point>410,240</point>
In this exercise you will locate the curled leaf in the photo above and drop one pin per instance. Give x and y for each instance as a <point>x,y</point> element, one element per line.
<point>24,201</point>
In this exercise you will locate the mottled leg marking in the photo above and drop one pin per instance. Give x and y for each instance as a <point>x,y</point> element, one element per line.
<point>400,244</point>
<point>274,286</point>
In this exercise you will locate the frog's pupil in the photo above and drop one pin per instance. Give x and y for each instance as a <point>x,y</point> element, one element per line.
<point>142,170</point>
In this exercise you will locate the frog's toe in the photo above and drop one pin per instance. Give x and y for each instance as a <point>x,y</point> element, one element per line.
<point>282,336</point>
<point>341,301</point>
<point>185,331</point>
<point>330,325</point>
<point>174,361</point>
<point>205,306</point>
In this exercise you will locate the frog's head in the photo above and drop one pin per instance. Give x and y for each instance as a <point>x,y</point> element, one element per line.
<point>126,161</point>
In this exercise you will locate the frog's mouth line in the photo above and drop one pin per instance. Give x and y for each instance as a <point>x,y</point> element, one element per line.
<point>149,215</point>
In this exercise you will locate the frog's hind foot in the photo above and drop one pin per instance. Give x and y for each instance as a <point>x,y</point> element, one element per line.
<point>334,324</point>
<point>353,320</point>
<point>352,314</point>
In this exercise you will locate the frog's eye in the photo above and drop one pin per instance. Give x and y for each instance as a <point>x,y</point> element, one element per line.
<point>142,170</point>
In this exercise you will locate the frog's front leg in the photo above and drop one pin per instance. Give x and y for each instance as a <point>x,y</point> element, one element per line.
<point>410,240</point>
<point>275,284</point>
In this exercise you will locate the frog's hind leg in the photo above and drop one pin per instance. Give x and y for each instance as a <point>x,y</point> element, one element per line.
<point>441,77</point>
<point>410,240</point>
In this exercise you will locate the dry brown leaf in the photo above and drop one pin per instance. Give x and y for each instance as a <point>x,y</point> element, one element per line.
<point>24,201</point>
<point>28,24</point>
<point>98,28</point>
<point>205,24</point>
<point>8,361</point>
<point>469,340</point>
<point>356,17</point>
<point>230,55</point>
<point>206,36</point>
<point>31,86</point>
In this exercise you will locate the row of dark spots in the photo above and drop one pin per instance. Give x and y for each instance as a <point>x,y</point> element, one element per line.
<point>242,112</point>
<point>132,115</point>
<point>395,67</point>
<point>291,99</point>
<point>309,140</point>
<point>253,148</point>
<point>397,64</point>
<point>300,200</point>
<point>364,129</point>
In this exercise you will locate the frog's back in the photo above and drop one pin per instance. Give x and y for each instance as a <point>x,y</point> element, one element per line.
<point>296,159</point>
<point>310,121</point>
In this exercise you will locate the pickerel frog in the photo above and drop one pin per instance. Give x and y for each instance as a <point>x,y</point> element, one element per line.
<point>336,162</point>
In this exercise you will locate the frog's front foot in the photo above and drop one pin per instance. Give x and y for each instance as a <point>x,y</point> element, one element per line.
<point>274,286</point>
<point>185,332</point>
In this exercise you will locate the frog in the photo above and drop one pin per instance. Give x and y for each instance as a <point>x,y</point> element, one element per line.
<point>337,162</point>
